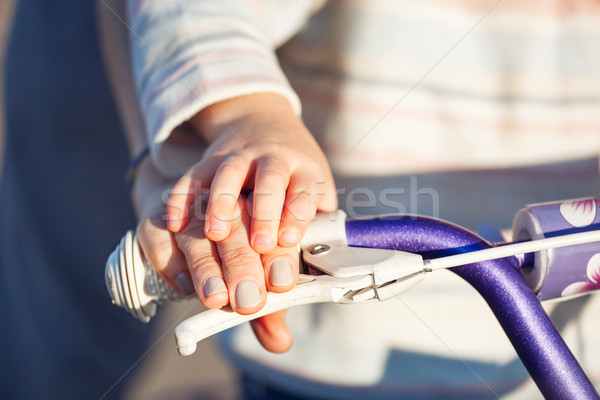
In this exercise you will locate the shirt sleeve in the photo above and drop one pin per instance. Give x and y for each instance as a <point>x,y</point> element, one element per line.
<point>189,54</point>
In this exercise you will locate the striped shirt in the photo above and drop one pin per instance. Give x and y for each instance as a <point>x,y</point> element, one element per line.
<point>408,85</point>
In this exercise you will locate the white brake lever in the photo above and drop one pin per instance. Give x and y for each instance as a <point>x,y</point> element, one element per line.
<point>309,290</point>
<point>318,289</point>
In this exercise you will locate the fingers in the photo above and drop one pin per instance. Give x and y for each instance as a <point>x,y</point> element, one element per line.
<point>272,332</point>
<point>271,182</point>
<point>226,272</point>
<point>306,195</point>
<point>231,271</point>
<point>187,188</point>
<point>204,264</point>
<point>300,208</point>
<point>281,275</point>
<point>303,191</point>
<point>242,267</point>
<point>224,192</point>
<point>285,203</point>
<point>162,252</point>
<point>215,267</point>
<point>281,267</point>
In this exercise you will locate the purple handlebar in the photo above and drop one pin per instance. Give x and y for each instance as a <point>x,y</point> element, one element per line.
<point>542,350</point>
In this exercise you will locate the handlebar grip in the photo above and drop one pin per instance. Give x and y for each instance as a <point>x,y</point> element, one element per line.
<point>560,272</point>
<point>133,283</point>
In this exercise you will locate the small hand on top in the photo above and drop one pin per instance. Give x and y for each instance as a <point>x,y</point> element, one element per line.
<point>229,247</point>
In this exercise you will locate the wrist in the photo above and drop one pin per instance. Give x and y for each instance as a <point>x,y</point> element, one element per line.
<point>225,115</point>
<point>132,168</point>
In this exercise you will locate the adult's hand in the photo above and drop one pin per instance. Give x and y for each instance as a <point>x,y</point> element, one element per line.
<point>221,273</point>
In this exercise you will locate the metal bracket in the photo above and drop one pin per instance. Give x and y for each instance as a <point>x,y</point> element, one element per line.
<point>325,248</point>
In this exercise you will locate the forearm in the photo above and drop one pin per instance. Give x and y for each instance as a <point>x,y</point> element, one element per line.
<point>188,55</point>
<point>246,114</point>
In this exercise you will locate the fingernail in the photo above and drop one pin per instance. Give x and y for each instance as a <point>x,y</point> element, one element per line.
<point>262,240</point>
<point>214,285</point>
<point>280,273</point>
<point>290,236</point>
<point>217,226</point>
<point>247,294</point>
<point>183,280</point>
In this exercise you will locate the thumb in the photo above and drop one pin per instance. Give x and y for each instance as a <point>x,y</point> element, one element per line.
<point>272,332</point>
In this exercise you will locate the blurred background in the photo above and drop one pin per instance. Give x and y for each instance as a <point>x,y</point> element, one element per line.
<point>6,8</point>
<point>160,373</point>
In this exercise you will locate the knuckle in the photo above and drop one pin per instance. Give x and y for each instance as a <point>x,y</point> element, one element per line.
<point>193,229</point>
<point>151,238</point>
<point>302,200</point>
<point>265,218</point>
<point>201,260</point>
<point>298,195</point>
<point>277,179</point>
<point>310,167</point>
<point>273,168</point>
<point>162,251</point>
<point>274,148</point>
<point>266,212</point>
<point>234,163</point>
<point>236,257</point>
<point>268,200</point>
<point>223,202</point>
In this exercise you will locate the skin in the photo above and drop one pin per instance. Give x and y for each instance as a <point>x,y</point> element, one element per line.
<point>257,143</point>
<point>213,228</point>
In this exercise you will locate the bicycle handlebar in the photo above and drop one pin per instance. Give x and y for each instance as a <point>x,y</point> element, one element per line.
<point>542,350</point>
<point>500,282</point>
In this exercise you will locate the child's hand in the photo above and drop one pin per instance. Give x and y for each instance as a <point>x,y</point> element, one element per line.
<point>258,144</point>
